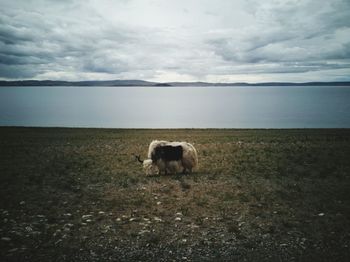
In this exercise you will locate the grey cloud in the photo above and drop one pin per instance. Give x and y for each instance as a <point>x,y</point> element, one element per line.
<point>74,39</point>
<point>61,45</point>
<point>291,34</point>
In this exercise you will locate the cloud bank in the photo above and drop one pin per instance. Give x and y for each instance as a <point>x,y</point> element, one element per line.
<point>185,40</point>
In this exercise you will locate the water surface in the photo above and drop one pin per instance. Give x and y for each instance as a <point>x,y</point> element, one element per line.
<point>176,107</point>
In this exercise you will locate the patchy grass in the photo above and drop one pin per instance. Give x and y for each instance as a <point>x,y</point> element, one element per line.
<point>79,195</point>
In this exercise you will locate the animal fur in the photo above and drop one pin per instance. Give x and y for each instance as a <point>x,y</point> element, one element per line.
<point>168,157</point>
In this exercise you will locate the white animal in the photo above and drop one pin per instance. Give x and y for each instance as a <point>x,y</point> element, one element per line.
<point>188,161</point>
<point>149,168</point>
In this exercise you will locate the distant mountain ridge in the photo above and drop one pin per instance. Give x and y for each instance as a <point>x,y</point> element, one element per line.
<point>148,83</point>
<point>77,83</point>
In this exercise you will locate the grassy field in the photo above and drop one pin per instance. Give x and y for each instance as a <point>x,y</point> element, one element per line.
<point>258,195</point>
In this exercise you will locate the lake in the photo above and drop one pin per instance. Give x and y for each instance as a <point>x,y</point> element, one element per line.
<point>176,107</point>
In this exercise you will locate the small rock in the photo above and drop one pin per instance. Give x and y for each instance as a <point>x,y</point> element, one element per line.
<point>118,219</point>
<point>6,239</point>
<point>101,213</point>
<point>132,219</point>
<point>157,219</point>
<point>68,215</point>
<point>321,214</point>
<point>144,232</point>
<point>177,218</point>
<point>58,241</point>
<point>22,203</point>
<point>88,220</point>
<point>178,214</point>
<point>241,223</point>
<point>86,216</point>
<point>158,203</point>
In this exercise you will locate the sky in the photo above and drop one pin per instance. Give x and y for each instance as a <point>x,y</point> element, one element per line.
<point>182,40</point>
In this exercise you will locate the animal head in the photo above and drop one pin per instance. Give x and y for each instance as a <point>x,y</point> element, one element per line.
<point>149,167</point>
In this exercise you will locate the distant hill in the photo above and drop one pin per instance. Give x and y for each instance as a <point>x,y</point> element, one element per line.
<point>77,83</point>
<point>261,84</point>
<point>147,83</point>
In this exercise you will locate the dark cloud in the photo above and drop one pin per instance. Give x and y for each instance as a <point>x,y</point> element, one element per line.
<point>29,48</point>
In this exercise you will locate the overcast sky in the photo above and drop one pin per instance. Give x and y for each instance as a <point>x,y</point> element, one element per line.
<point>182,40</point>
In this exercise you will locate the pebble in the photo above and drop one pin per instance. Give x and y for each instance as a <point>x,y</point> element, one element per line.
<point>58,241</point>
<point>321,214</point>
<point>158,203</point>
<point>177,218</point>
<point>101,213</point>
<point>143,232</point>
<point>86,216</point>
<point>22,203</point>
<point>157,219</point>
<point>6,239</point>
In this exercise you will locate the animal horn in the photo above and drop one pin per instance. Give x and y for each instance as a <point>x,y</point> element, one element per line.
<point>138,158</point>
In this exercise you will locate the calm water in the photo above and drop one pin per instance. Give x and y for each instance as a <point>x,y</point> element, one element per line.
<point>176,107</point>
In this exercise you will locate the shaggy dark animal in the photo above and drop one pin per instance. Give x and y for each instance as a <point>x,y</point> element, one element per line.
<point>167,153</point>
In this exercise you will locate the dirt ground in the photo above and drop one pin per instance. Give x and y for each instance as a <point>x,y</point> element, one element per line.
<point>257,195</point>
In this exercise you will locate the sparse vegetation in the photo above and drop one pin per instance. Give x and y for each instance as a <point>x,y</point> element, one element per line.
<point>258,195</point>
